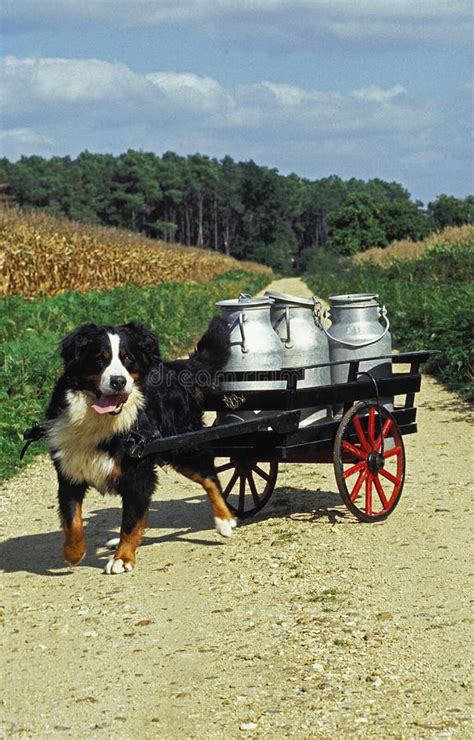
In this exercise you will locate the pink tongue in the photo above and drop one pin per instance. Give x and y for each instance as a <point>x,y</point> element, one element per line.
<point>106,404</point>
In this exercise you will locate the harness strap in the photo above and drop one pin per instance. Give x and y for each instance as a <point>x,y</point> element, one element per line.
<point>33,434</point>
<point>134,442</point>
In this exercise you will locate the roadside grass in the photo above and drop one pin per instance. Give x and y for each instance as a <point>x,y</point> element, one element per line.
<point>430,303</point>
<point>30,330</point>
<point>457,237</point>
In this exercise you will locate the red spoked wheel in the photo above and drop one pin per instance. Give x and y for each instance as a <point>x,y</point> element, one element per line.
<point>247,484</point>
<point>369,461</point>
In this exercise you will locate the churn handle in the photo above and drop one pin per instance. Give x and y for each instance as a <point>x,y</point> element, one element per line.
<point>240,321</point>
<point>383,313</point>
<point>245,349</point>
<point>288,343</point>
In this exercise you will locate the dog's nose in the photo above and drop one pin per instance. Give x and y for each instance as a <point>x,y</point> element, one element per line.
<point>117,382</point>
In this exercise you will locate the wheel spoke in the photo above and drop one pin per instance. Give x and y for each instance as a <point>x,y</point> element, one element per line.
<point>358,485</point>
<point>385,430</point>
<point>360,434</point>
<point>381,492</point>
<point>243,478</point>
<point>230,484</point>
<point>227,466</point>
<point>244,492</point>
<point>355,468</point>
<point>389,476</point>
<point>393,451</point>
<point>253,488</point>
<point>355,450</point>
<point>368,494</point>
<point>371,427</point>
<point>261,473</point>
<point>370,484</point>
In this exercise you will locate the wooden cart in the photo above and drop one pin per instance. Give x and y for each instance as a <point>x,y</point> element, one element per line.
<point>364,443</point>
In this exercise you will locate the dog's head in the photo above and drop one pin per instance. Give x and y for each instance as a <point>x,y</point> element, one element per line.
<point>109,361</point>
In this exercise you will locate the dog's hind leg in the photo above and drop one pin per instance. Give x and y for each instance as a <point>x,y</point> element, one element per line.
<point>201,469</point>
<point>71,496</point>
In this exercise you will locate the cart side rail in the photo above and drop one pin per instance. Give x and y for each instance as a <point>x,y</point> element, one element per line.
<point>322,395</point>
<point>399,383</point>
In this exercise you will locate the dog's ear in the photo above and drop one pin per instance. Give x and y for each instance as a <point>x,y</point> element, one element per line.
<point>76,342</point>
<point>144,343</point>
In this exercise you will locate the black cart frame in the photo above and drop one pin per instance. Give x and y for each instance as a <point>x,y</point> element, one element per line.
<point>364,443</point>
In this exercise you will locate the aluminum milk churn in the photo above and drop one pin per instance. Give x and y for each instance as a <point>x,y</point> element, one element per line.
<point>304,342</point>
<point>356,333</point>
<point>254,346</point>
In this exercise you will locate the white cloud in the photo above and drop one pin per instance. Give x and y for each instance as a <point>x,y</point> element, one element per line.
<point>282,24</point>
<point>71,80</point>
<point>190,90</point>
<point>377,94</point>
<point>291,96</point>
<point>68,105</point>
<point>25,136</point>
<point>143,12</point>
<point>24,141</point>
<point>332,113</point>
<point>93,88</point>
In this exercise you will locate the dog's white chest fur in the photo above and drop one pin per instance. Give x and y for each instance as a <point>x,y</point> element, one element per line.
<point>74,437</point>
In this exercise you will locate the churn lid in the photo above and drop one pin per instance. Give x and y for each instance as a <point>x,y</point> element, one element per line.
<point>245,301</point>
<point>287,298</point>
<point>353,300</point>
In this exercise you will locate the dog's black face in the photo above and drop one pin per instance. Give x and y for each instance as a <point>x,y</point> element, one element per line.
<point>109,361</point>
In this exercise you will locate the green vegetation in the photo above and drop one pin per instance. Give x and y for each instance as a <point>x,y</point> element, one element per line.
<point>238,208</point>
<point>430,301</point>
<point>362,223</point>
<point>31,329</point>
<point>356,226</point>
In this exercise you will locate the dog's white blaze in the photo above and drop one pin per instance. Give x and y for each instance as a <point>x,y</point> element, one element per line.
<point>74,435</point>
<point>115,368</point>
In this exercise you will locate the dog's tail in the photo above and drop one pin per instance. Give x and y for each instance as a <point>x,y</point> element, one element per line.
<point>213,349</point>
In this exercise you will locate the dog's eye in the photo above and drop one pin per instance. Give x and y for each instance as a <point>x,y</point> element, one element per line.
<point>125,355</point>
<point>105,355</point>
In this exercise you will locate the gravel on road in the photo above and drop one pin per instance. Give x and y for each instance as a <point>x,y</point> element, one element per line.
<point>306,623</point>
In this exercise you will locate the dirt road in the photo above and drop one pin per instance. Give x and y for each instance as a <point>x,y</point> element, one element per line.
<point>305,624</point>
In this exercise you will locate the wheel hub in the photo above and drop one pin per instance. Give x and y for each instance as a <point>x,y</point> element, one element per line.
<point>375,462</point>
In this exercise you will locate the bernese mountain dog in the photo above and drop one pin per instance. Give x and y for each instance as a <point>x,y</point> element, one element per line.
<point>115,381</point>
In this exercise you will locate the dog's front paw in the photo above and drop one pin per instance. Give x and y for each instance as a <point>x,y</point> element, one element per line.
<point>114,566</point>
<point>225,527</point>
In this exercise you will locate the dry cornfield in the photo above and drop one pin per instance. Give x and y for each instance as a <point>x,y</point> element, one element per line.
<point>406,249</point>
<point>44,254</point>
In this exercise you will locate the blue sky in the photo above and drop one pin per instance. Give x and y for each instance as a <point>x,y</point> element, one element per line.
<point>357,88</point>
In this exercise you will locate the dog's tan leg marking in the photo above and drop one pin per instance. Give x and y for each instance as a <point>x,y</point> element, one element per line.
<point>223,518</point>
<point>74,547</point>
<point>124,558</point>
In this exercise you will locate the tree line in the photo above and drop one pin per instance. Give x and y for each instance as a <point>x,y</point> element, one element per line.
<point>239,208</point>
